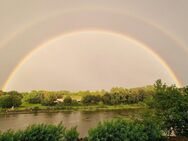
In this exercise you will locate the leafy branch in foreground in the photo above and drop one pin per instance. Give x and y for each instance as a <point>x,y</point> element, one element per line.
<point>171,106</point>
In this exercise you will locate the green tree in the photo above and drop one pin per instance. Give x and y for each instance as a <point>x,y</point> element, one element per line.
<point>171,105</point>
<point>8,101</point>
<point>106,98</point>
<point>67,100</point>
<point>91,99</point>
<point>32,97</point>
<point>49,98</point>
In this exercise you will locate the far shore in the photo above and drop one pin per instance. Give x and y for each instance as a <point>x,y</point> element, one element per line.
<point>92,108</point>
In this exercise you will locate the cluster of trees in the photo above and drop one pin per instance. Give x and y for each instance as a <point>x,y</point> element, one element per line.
<point>46,98</point>
<point>10,99</point>
<point>115,96</point>
<point>119,95</point>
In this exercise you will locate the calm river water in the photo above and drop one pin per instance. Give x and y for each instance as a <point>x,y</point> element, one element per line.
<point>83,120</point>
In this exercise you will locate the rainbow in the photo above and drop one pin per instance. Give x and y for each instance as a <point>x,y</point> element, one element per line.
<point>118,11</point>
<point>121,35</point>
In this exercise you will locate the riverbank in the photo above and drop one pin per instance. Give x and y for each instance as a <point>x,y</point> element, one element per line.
<point>33,108</point>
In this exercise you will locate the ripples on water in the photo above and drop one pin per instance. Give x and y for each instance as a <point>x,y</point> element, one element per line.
<point>82,119</point>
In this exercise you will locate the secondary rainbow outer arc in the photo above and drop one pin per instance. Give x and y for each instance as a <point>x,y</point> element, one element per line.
<point>140,44</point>
<point>56,13</point>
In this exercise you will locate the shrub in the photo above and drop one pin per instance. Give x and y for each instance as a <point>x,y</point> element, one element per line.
<point>71,135</point>
<point>123,130</point>
<point>10,135</point>
<point>43,132</point>
<point>114,130</point>
<point>8,101</point>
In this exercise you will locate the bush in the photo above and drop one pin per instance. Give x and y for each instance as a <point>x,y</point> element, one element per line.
<point>10,135</point>
<point>43,132</point>
<point>40,132</point>
<point>123,130</point>
<point>8,101</point>
<point>71,135</point>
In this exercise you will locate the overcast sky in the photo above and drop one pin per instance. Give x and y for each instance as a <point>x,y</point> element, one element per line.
<point>95,55</point>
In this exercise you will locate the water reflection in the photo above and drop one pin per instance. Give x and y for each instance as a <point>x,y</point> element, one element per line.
<point>82,119</point>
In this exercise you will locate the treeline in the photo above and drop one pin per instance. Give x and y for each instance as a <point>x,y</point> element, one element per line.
<point>115,96</point>
<point>120,95</point>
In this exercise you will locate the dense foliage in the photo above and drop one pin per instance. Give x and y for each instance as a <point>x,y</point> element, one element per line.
<point>67,100</point>
<point>119,95</point>
<point>171,106</point>
<point>41,132</point>
<point>123,130</point>
<point>11,99</point>
<point>71,135</point>
<point>91,99</point>
<point>33,97</point>
<point>113,130</point>
<point>115,96</point>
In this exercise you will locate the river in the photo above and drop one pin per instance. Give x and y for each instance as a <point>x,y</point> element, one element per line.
<point>82,119</point>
